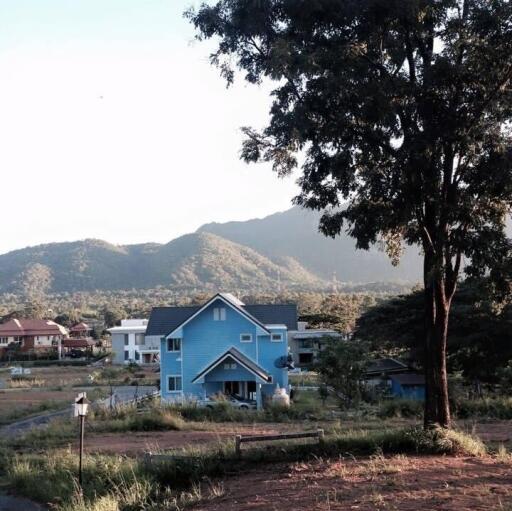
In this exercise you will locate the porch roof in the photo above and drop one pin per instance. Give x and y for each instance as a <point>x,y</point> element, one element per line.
<point>241,359</point>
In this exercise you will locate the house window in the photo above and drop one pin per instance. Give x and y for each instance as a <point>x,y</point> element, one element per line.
<point>174,383</point>
<point>229,367</point>
<point>174,344</point>
<point>126,340</point>
<point>245,337</point>
<point>137,355</point>
<point>3,340</point>
<point>306,344</point>
<point>305,358</point>
<point>276,337</point>
<point>126,355</point>
<point>139,339</point>
<point>219,314</point>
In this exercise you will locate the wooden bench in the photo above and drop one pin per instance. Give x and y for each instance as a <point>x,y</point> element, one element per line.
<point>242,439</point>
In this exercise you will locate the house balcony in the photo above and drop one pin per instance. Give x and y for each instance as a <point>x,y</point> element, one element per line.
<point>149,346</point>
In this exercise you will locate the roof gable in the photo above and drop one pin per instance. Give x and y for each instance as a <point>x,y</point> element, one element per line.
<point>166,319</point>
<point>227,301</point>
<point>241,359</point>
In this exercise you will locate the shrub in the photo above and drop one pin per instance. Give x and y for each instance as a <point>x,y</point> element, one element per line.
<point>400,408</point>
<point>152,420</point>
<point>491,408</point>
<point>51,477</point>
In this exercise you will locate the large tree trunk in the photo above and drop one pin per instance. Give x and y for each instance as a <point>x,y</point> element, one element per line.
<point>437,309</point>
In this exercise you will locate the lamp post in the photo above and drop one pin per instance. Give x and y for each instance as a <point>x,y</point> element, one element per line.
<point>81,408</point>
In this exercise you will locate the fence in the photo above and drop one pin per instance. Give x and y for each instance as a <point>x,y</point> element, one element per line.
<point>241,439</point>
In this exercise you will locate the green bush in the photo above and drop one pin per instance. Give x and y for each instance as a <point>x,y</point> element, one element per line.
<point>129,420</point>
<point>222,411</point>
<point>407,408</point>
<point>491,408</point>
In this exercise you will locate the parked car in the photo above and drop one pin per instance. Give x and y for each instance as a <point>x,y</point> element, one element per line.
<point>75,353</point>
<point>233,400</point>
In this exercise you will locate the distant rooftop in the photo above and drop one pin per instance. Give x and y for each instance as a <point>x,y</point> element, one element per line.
<point>386,365</point>
<point>409,379</point>
<point>130,325</point>
<point>21,327</point>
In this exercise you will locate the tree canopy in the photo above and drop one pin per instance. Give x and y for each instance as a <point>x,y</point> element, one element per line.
<point>479,338</point>
<point>398,115</point>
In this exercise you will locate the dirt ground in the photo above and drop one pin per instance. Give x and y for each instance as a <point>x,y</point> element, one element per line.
<point>397,484</point>
<point>139,442</point>
<point>496,432</point>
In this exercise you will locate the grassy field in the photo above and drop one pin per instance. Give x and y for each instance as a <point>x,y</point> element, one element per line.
<point>373,458</point>
<point>53,388</point>
<point>364,462</point>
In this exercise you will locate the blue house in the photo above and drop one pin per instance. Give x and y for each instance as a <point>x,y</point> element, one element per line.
<point>408,386</point>
<point>223,346</point>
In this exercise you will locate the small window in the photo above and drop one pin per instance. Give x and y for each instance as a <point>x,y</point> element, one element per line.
<point>174,383</point>
<point>245,337</point>
<point>174,344</point>
<point>276,337</point>
<point>126,340</point>
<point>229,367</point>
<point>126,355</point>
<point>305,358</point>
<point>137,355</point>
<point>219,314</point>
<point>139,339</point>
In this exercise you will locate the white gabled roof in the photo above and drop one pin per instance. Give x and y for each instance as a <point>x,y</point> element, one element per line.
<point>228,301</point>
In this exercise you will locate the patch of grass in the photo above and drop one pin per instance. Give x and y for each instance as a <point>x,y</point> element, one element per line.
<point>123,484</point>
<point>26,382</point>
<point>153,420</point>
<point>110,483</point>
<point>490,408</point>
<point>194,463</point>
<point>224,412</point>
<point>27,411</point>
<point>503,455</point>
<point>304,379</point>
<point>406,408</point>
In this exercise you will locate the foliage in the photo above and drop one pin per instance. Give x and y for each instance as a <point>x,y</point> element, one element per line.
<point>341,365</point>
<point>153,420</point>
<point>499,408</point>
<point>36,281</point>
<point>400,408</point>
<point>401,114</point>
<point>323,393</point>
<point>127,484</point>
<point>479,339</point>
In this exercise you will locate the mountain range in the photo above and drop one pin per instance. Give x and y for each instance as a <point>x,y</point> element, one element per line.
<point>281,251</point>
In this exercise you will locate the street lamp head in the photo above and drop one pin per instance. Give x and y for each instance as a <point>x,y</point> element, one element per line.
<point>82,405</point>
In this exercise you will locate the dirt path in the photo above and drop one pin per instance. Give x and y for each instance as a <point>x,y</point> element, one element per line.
<point>139,442</point>
<point>394,484</point>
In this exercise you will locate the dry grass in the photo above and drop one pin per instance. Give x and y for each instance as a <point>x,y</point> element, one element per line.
<point>26,383</point>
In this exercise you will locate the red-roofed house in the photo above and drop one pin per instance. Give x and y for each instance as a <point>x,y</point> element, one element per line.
<point>32,334</point>
<point>80,330</point>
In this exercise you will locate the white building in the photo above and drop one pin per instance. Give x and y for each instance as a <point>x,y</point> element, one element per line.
<point>129,343</point>
<point>305,343</point>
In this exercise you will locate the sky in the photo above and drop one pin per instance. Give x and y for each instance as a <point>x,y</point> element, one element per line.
<point>113,125</point>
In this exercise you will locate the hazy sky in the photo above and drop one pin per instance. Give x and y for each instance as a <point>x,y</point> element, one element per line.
<point>113,125</point>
